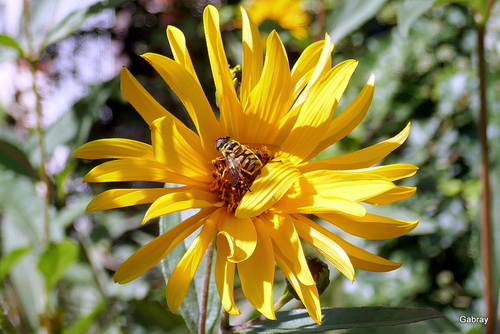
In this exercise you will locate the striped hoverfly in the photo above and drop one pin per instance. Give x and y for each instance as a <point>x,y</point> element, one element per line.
<point>243,162</point>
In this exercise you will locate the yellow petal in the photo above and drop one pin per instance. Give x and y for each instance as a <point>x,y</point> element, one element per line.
<point>119,198</point>
<point>179,50</point>
<point>179,201</point>
<point>362,158</point>
<point>370,226</point>
<point>115,148</point>
<point>285,238</point>
<point>316,112</point>
<point>360,258</point>
<point>252,56</point>
<point>224,277</point>
<point>315,235</point>
<point>308,294</point>
<point>351,186</point>
<point>229,105</point>
<point>303,68</point>
<point>241,237</point>
<point>139,98</point>
<point>270,99</point>
<point>303,198</point>
<point>192,96</point>
<point>151,253</point>
<point>319,70</point>
<point>275,180</point>
<point>399,193</point>
<point>182,275</point>
<point>257,274</point>
<point>344,123</point>
<point>136,170</point>
<point>173,150</point>
<point>390,172</point>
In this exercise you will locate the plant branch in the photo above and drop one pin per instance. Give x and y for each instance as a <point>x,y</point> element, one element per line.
<point>486,245</point>
<point>206,285</point>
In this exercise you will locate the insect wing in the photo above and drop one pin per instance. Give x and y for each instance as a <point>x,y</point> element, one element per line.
<point>233,169</point>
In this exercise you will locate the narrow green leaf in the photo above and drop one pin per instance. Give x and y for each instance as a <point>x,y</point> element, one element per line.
<point>15,159</point>
<point>349,16</point>
<point>409,11</point>
<point>299,321</point>
<point>9,260</point>
<point>10,42</point>
<point>54,261</point>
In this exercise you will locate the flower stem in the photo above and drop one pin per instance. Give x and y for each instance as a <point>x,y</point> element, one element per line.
<point>278,305</point>
<point>485,183</point>
<point>206,285</point>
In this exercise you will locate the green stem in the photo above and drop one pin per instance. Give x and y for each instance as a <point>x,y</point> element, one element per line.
<point>43,157</point>
<point>486,244</point>
<point>278,305</point>
<point>206,284</point>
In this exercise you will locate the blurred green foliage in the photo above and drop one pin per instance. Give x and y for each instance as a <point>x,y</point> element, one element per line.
<point>61,278</point>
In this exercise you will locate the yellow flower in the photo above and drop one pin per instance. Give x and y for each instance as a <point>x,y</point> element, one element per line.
<point>288,112</point>
<point>289,14</point>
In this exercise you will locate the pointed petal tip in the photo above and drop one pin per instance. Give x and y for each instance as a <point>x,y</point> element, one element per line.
<point>371,81</point>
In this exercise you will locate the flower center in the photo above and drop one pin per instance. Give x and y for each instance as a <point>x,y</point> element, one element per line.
<point>236,169</point>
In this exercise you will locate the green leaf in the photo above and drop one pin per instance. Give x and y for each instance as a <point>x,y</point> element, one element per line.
<point>15,159</point>
<point>10,42</point>
<point>299,321</point>
<point>190,307</point>
<point>83,324</point>
<point>54,261</point>
<point>9,260</point>
<point>74,20</point>
<point>349,16</point>
<point>409,11</point>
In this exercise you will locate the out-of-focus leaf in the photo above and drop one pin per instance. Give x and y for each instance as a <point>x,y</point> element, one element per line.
<point>9,260</point>
<point>299,321</point>
<point>68,214</point>
<point>26,220</point>
<point>73,127</point>
<point>409,11</point>
<point>74,21</point>
<point>350,15</point>
<point>54,261</point>
<point>15,159</point>
<point>83,324</point>
<point>10,42</point>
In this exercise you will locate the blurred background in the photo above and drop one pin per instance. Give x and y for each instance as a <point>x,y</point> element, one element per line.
<point>57,263</point>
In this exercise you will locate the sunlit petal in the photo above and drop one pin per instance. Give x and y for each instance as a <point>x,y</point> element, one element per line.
<point>116,148</point>
<point>315,235</point>
<point>257,274</point>
<point>119,198</point>
<point>252,56</point>
<point>189,91</point>
<point>150,254</point>
<point>274,181</point>
<point>224,277</point>
<point>182,275</point>
<point>180,155</point>
<point>370,226</point>
<point>179,201</point>
<point>241,237</point>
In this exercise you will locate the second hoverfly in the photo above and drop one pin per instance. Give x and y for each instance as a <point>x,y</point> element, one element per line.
<point>240,159</point>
